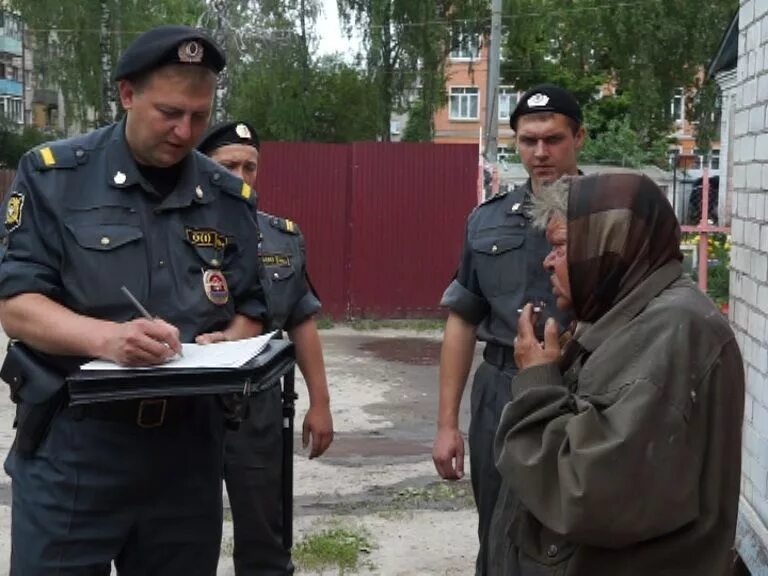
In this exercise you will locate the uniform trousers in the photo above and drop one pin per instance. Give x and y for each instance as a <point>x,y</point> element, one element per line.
<point>253,472</point>
<point>490,393</point>
<point>98,491</point>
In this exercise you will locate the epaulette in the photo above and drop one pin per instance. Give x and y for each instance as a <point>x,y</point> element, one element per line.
<point>284,225</point>
<point>233,185</point>
<point>57,155</point>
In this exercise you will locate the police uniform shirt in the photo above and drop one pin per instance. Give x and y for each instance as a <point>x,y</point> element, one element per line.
<point>501,268</point>
<point>81,221</point>
<point>283,256</point>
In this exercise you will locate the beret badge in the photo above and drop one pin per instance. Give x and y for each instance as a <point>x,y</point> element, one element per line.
<point>242,131</point>
<point>190,52</point>
<point>538,100</point>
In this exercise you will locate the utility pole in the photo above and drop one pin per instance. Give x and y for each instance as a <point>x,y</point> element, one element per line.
<point>492,87</point>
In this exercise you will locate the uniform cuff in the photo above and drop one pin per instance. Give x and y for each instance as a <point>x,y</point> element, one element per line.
<point>468,305</point>
<point>308,306</point>
<point>255,309</point>
<point>22,278</point>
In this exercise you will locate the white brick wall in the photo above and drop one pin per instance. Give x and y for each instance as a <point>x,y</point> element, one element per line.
<point>749,274</point>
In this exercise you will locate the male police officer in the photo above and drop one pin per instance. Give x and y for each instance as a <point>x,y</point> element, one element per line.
<point>499,272</point>
<point>252,468</point>
<point>132,204</point>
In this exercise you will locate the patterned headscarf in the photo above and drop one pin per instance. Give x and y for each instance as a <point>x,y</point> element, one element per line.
<point>621,228</point>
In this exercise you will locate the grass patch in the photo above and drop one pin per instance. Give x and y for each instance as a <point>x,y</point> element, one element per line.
<point>416,324</point>
<point>455,494</point>
<point>324,323</point>
<point>333,548</point>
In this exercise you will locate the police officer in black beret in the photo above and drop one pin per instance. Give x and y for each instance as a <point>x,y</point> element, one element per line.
<point>501,269</point>
<point>252,467</point>
<point>136,482</point>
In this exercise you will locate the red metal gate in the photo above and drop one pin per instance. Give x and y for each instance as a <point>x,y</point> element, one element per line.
<point>383,222</point>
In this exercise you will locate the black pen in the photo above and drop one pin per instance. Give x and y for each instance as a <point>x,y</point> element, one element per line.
<point>143,311</point>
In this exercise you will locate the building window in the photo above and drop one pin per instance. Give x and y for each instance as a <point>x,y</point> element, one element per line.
<point>699,159</point>
<point>714,159</point>
<point>464,103</point>
<point>507,101</point>
<point>467,48</point>
<point>12,109</point>
<point>505,154</point>
<point>678,106</point>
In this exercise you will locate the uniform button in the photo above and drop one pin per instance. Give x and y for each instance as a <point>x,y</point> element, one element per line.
<point>552,551</point>
<point>216,176</point>
<point>494,248</point>
<point>199,192</point>
<point>275,275</point>
<point>162,263</point>
<point>79,152</point>
<point>214,262</point>
<point>104,241</point>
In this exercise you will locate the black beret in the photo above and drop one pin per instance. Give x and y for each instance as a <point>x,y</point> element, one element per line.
<point>169,45</point>
<point>228,133</point>
<point>546,98</point>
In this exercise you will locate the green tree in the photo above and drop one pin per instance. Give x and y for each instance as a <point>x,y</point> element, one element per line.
<point>67,34</point>
<point>338,104</point>
<point>406,43</point>
<point>644,50</point>
<point>14,142</point>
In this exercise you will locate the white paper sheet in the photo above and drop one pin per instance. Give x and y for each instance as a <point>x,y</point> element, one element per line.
<point>218,355</point>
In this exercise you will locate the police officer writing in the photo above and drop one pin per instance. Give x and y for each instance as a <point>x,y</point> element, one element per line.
<point>499,272</point>
<point>252,454</point>
<point>137,482</point>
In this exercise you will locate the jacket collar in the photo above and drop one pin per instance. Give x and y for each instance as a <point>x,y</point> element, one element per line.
<point>123,174</point>
<point>591,336</point>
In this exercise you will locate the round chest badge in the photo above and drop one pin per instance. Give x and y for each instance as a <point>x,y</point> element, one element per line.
<point>215,286</point>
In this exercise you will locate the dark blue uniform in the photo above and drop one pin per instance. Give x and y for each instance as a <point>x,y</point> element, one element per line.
<point>136,481</point>
<point>501,270</point>
<point>253,463</point>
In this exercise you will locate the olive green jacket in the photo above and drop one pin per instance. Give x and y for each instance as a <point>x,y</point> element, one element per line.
<point>626,462</point>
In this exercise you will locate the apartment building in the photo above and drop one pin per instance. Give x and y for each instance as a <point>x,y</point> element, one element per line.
<point>14,70</point>
<point>463,119</point>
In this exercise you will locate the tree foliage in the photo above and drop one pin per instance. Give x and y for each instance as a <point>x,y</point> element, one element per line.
<point>642,51</point>
<point>78,42</point>
<point>406,43</point>
<point>15,142</point>
<point>337,106</point>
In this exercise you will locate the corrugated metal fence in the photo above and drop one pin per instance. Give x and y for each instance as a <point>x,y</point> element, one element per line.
<point>383,222</point>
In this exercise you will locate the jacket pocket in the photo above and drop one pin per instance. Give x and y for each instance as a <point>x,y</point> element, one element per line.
<point>100,259</point>
<point>541,552</point>
<point>499,261</point>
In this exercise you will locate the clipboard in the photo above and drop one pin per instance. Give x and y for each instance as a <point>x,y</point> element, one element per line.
<point>260,373</point>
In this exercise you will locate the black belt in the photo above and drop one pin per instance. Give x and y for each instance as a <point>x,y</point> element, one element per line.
<point>144,413</point>
<point>502,357</point>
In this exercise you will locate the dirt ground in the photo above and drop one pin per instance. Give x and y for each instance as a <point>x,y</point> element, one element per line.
<point>377,478</point>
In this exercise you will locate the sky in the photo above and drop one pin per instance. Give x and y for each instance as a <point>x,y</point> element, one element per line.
<point>330,37</point>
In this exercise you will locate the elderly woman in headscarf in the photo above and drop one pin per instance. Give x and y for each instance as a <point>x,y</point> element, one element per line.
<point>623,449</point>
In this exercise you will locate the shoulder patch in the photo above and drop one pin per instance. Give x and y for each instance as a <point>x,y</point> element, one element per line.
<point>58,155</point>
<point>13,211</point>
<point>284,225</point>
